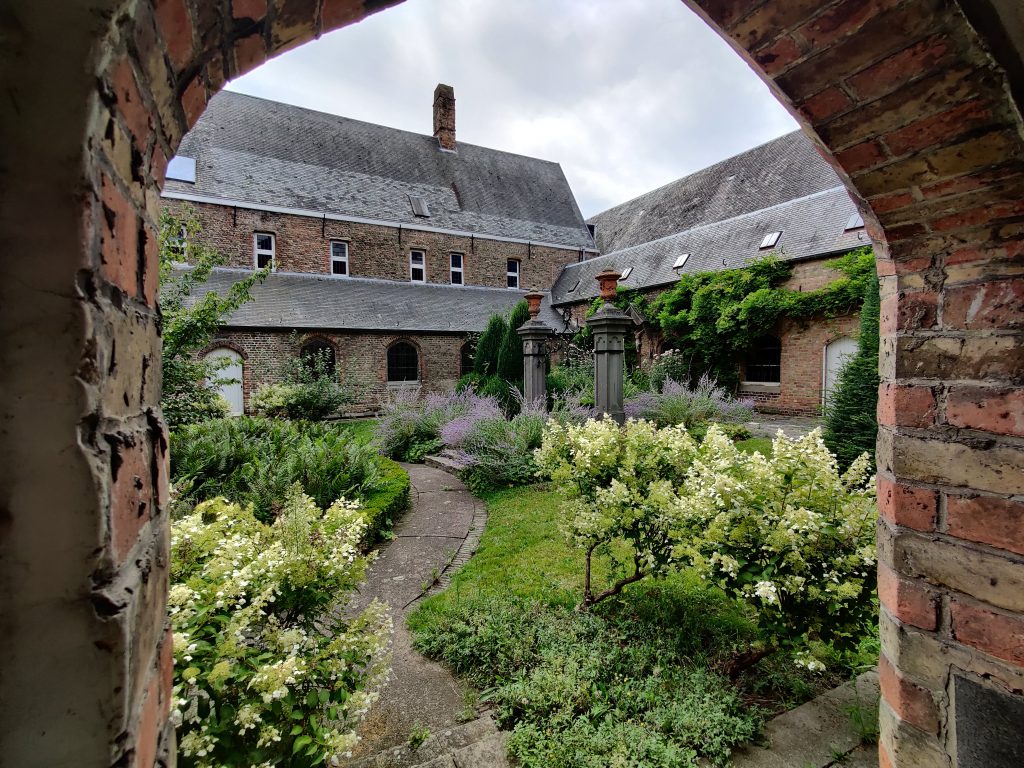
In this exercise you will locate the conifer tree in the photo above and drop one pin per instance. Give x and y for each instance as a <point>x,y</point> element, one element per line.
<point>485,362</point>
<point>851,424</point>
<point>510,354</point>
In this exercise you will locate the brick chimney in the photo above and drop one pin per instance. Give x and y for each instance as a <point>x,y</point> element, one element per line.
<point>444,116</point>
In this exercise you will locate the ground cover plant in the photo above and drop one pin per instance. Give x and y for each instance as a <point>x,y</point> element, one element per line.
<point>256,461</point>
<point>637,680</point>
<point>267,672</point>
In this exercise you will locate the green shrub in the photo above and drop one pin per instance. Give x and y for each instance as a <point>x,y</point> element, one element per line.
<point>510,353</point>
<point>382,506</point>
<point>256,461</point>
<point>498,452</point>
<point>622,687</point>
<point>485,361</point>
<point>267,672</point>
<point>851,423</point>
<point>310,390</point>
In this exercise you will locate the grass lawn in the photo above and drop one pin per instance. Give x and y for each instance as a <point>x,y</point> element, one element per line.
<point>361,429</point>
<point>758,444</point>
<point>632,683</point>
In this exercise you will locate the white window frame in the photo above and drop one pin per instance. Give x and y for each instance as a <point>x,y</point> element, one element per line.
<point>457,270</point>
<point>422,266</point>
<point>340,259</point>
<point>257,251</point>
<point>513,273</point>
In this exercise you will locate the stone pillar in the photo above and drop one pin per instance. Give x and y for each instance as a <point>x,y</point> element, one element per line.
<point>535,335</point>
<point>609,326</point>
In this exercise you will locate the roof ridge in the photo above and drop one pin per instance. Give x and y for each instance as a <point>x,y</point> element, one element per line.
<point>372,280</point>
<point>695,173</point>
<point>709,225</point>
<point>381,125</point>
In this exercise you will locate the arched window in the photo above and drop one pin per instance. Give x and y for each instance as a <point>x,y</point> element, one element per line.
<point>318,357</point>
<point>764,361</point>
<point>403,362</point>
<point>466,359</point>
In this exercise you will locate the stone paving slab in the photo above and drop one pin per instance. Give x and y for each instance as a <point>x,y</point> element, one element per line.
<point>766,425</point>
<point>814,734</point>
<point>419,693</point>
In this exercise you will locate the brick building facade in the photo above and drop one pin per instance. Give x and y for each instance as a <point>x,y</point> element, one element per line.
<point>375,237</point>
<point>781,198</point>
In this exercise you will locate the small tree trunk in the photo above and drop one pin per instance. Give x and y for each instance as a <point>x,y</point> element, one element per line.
<point>741,662</point>
<point>590,599</point>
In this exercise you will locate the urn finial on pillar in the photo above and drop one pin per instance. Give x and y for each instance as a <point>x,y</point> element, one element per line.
<point>609,282</point>
<point>609,325</point>
<point>533,299</point>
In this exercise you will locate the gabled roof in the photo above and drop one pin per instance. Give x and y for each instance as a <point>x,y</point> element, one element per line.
<point>811,226</point>
<point>292,300</point>
<point>784,169</point>
<point>260,152</point>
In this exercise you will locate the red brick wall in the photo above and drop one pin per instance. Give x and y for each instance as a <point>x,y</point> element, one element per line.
<point>303,245</point>
<point>361,358</point>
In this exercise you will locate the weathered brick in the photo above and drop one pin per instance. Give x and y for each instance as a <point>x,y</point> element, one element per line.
<point>908,311</point>
<point>760,25</point>
<point>131,493</point>
<point>908,64</point>
<point>248,9</point>
<point>193,100</point>
<point>987,519</point>
<point>910,746</point>
<point>776,57</point>
<point>176,28</point>
<point>996,634</point>
<point>825,104</point>
<point>911,702</point>
<point>939,129</point>
<point>945,357</point>
<point>995,304</point>
<point>991,577</point>
<point>906,406</point>
<point>249,52</point>
<point>129,101</point>
<point>984,214</point>
<point>909,600</point>
<point>149,726</point>
<point>988,466</point>
<point>885,203</point>
<point>989,409</point>
<point>867,154</point>
<point>841,20</point>
<point>119,238</point>
<point>884,761</point>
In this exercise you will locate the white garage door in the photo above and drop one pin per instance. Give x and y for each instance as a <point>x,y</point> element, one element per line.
<point>836,355</point>
<point>229,378</point>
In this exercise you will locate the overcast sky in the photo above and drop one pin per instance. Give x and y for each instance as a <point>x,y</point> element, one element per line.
<point>627,95</point>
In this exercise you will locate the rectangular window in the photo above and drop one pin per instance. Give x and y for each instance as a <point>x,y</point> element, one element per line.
<point>512,272</point>
<point>339,258</point>
<point>264,246</point>
<point>456,269</point>
<point>418,266</point>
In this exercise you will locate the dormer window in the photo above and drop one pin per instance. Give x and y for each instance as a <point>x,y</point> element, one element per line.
<point>419,206</point>
<point>680,261</point>
<point>856,222</point>
<point>626,273</point>
<point>770,240</point>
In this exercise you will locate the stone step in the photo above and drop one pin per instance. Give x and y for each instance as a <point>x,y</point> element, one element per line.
<point>444,463</point>
<point>440,749</point>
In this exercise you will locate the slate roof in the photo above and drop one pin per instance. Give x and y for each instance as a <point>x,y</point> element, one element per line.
<point>292,300</point>
<point>784,169</point>
<point>811,226</point>
<point>261,152</point>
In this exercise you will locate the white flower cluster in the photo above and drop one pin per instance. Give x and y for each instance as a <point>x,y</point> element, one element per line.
<point>255,610</point>
<point>787,532</point>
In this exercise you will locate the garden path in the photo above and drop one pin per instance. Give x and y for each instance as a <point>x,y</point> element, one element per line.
<point>436,534</point>
<point>767,424</point>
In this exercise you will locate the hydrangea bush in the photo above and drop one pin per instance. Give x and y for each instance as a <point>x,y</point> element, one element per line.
<point>267,670</point>
<point>787,533</point>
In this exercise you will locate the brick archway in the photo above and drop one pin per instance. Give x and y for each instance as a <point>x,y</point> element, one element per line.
<point>908,101</point>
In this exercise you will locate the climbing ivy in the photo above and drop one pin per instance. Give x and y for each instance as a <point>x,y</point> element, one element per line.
<point>711,318</point>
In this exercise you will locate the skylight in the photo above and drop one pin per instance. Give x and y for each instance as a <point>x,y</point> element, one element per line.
<point>574,286</point>
<point>419,206</point>
<point>680,261</point>
<point>182,169</point>
<point>771,239</point>
<point>626,273</point>
<point>856,222</point>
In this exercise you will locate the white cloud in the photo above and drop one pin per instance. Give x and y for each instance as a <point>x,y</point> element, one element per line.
<point>627,95</point>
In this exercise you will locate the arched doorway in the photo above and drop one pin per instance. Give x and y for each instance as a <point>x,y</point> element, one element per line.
<point>915,102</point>
<point>229,377</point>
